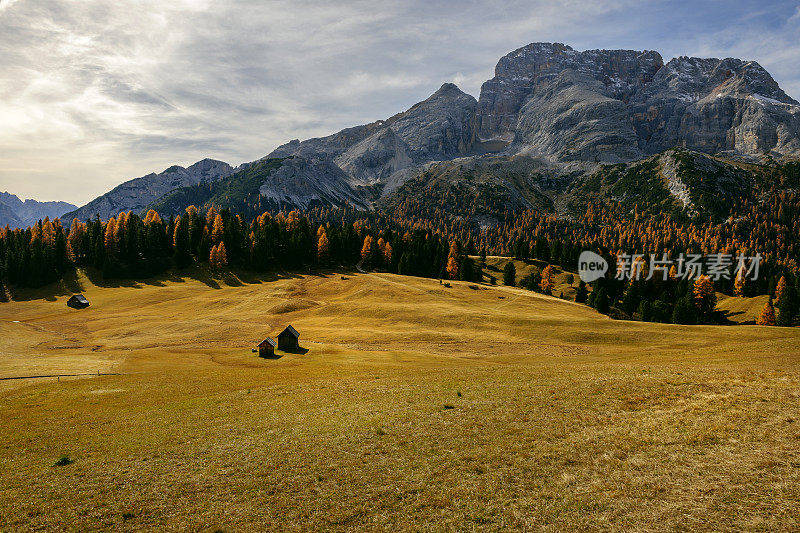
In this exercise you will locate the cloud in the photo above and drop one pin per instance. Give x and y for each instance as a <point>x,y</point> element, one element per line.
<point>94,92</point>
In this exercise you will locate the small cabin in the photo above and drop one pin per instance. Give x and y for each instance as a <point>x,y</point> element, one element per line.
<point>78,301</point>
<point>288,340</point>
<point>266,348</point>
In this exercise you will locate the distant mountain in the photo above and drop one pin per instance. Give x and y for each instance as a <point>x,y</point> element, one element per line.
<point>20,214</point>
<point>271,183</point>
<point>135,195</point>
<point>550,116</point>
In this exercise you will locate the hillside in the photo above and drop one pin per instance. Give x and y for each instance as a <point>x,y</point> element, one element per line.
<point>416,407</point>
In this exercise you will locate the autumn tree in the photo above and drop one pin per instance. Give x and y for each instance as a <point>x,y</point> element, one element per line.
<point>779,289</point>
<point>323,247</point>
<point>767,315</point>
<point>218,257</point>
<point>75,241</point>
<point>452,261</point>
<point>387,254</point>
<point>739,283</point>
<point>366,250</point>
<point>705,299</point>
<point>111,236</point>
<point>547,283</point>
<point>218,230</point>
<point>222,256</point>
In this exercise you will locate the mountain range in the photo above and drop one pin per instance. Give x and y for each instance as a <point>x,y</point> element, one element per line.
<point>21,214</point>
<point>550,120</point>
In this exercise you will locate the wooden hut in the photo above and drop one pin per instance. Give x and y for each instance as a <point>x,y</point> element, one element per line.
<point>288,340</point>
<point>78,301</point>
<point>266,348</point>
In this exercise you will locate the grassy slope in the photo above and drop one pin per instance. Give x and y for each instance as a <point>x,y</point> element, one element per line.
<point>741,310</point>
<point>566,419</point>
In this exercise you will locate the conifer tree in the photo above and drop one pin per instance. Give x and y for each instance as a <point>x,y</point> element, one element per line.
<point>510,274</point>
<point>547,283</point>
<point>183,256</point>
<point>222,256</point>
<point>739,283</point>
<point>779,290</point>
<point>582,293</point>
<point>705,299</point>
<point>452,261</point>
<point>323,247</point>
<point>218,230</point>
<point>387,254</point>
<point>767,315</point>
<point>366,251</point>
<point>110,237</point>
<point>787,308</point>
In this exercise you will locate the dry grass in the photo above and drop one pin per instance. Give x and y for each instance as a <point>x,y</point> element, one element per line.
<point>565,419</point>
<point>741,310</point>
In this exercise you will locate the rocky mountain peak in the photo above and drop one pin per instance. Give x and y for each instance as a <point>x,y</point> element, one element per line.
<point>517,74</point>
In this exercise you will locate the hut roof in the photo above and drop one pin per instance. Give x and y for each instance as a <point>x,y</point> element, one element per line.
<point>80,298</point>
<point>267,342</point>
<point>291,331</point>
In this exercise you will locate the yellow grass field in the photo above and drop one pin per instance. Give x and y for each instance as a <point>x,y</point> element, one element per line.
<point>417,407</point>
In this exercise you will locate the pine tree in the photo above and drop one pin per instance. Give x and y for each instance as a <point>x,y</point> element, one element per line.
<point>582,293</point>
<point>779,290</point>
<point>685,312</point>
<point>787,307</point>
<point>601,301</point>
<point>645,311</point>
<point>183,256</point>
<point>767,315</point>
<point>510,274</point>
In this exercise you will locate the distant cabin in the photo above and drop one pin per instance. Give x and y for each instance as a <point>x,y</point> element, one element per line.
<point>78,301</point>
<point>266,348</point>
<point>288,340</point>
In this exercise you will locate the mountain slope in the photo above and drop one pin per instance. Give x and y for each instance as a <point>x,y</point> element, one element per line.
<point>676,182</point>
<point>438,128</point>
<point>272,183</point>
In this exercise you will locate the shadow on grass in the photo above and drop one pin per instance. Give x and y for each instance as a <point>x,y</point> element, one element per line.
<point>298,351</point>
<point>71,282</point>
<point>68,285</point>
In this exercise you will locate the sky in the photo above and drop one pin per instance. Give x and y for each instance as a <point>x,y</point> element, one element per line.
<point>96,92</point>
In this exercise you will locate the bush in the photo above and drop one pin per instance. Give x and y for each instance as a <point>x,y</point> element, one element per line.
<point>64,460</point>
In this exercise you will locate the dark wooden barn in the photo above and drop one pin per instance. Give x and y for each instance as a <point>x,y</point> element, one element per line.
<point>288,340</point>
<point>78,301</point>
<point>266,348</point>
